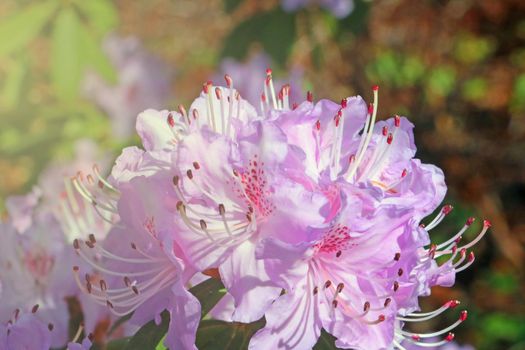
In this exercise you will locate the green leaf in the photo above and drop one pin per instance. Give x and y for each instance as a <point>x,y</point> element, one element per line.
<point>118,344</point>
<point>274,30</point>
<point>66,66</point>
<point>94,58</point>
<point>231,5</point>
<point>149,335</point>
<point>17,30</point>
<point>209,293</point>
<point>213,334</point>
<point>102,15</point>
<point>326,342</point>
<point>12,85</point>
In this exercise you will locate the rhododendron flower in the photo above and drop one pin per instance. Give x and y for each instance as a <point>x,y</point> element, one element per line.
<point>311,215</point>
<point>25,331</point>
<point>35,272</point>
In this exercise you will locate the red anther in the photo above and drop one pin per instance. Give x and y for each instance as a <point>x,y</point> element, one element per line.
<point>458,239</point>
<point>453,303</point>
<point>404,173</point>
<point>449,337</point>
<point>471,257</point>
<point>218,93</point>
<point>384,131</point>
<point>205,88</point>
<point>171,121</point>
<point>340,287</point>
<point>195,114</point>
<point>35,308</point>
<point>196,165</point>
<point>454,249</point>
<point>280,95</point>
<point>92,238</point>
<point>327,284</point>
<point>318,125</point>
<point>389,139</point>
<point>400,272</point>
<point>294,106</point>
<point>344,103</point>
<point>366,306</point>
<point>396,286</point>
<point>182,110</point>
<point>338,254</point>
<point>416,337</point>
<point>189,173</point>
<point>463,252</point>
<point>334,303</point>
<point>351,159</point>
<point>447,209</point>
<point>470,221</point>
<point>268,72</point>
<point>76,268</point>
<point>397,121</point>
<point>309,96</point>
<point>432,250</point>
<point>370,108</point>
<point>381,318</point>
<point>375,87</point>
<point>422,225</point>
<point>463,315</point>
<point>133,246</point>
<point>229,80</point>
<point>337,119</point>
<point>387,302</point>
<point>268,79</point>
<point>50,326</point>
<point>109,304</point>
<point>76,245</point>
<point>263,97</point>
<point>397,256</point>
<point>486,223</point>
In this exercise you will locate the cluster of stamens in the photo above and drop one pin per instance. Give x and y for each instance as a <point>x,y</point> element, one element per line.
<point>148,275</point>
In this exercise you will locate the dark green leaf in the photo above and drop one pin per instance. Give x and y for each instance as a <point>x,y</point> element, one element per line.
<point>326,342</point>
<point>274,30</point>
<point>118,344</point>
<point>20,28</point>
<point>231,5</point>
<point>149,335</point>
<point>213,334</point>
<point>209,293</point>
<point>66,67</point>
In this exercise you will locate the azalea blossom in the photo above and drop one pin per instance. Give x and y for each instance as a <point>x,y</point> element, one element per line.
<point>311,213</point>
<point>34,272</point>
<point>24,330</point>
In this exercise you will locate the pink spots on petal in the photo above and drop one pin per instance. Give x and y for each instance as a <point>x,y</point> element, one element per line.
<point>255,188</point>
<point>39,264</point>
<point>337,238</point>
<point>149,226</point>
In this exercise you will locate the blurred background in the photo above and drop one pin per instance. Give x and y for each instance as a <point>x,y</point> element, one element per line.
<point>75,73</point>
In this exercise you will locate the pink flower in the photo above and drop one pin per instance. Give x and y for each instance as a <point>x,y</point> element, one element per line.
<point>25,331</point>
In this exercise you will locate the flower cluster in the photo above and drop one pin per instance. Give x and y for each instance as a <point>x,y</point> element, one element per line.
<point>311,212</point>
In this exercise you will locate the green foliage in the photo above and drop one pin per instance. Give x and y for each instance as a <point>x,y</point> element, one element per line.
<point>275,30</point>
<point>518,93</point>
<point>213,334</point>
<point>326,342</point>
<point>102,16</point>
<point>18,30</point>
<point>231,5</point>
<point>395,69</point>
<point>66,65</point>
<point>472,49</point>
<point>441,80</point>
<point>475,88</point>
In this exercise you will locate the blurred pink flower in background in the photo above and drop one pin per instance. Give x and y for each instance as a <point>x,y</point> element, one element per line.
<point>143,81</point>
<point>339,8</point>
<point>249,78</point>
